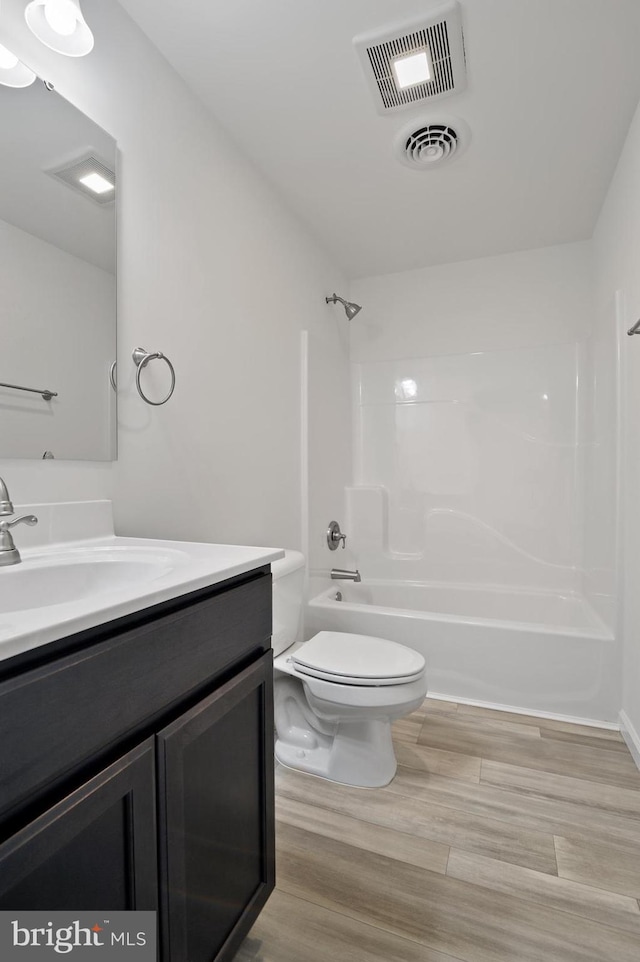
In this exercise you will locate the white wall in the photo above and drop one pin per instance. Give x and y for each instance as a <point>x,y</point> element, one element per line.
<point>617,247</point>
<point>329,435</point>
<point>469,419</point>
<point>46,291</point>
<point>528,299</point>
<point>216,273</point>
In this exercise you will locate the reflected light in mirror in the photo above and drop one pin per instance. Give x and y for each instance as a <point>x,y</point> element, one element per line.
<point>8,60</point>
<point>13,73</point>
<point>96,183</point>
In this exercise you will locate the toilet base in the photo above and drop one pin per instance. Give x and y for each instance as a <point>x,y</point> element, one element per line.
<point>358,753</point>
<point>337,731</point>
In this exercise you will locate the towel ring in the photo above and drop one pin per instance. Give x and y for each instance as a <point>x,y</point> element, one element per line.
<point>141,358</point>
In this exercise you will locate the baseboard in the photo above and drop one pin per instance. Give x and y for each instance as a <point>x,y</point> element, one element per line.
<point>552,716</point>
<point>631,736</point>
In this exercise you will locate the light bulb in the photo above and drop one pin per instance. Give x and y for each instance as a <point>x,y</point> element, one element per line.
<point>60,26</point>
<point>7,60</point>
<point>62,16</point>
<point>13,73</point>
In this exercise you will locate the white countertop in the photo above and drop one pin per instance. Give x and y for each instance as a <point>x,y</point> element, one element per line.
<point>147,572</point>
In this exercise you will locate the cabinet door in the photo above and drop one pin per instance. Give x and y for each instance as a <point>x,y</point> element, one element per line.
<point>94,850</point>
<point>215,772</point>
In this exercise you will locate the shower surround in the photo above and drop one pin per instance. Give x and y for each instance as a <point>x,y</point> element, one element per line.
<point>483,529</point>
<point>469,468</point>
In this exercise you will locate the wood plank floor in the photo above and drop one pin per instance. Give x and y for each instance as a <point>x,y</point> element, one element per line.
<point>502,838</point>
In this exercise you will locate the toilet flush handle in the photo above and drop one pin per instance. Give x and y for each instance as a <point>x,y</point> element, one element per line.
<point>335,536</point>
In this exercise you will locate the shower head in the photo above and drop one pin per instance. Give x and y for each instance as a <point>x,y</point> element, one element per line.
<point>350,308</point>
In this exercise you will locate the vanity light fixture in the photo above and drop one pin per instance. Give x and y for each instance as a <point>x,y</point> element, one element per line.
<point>60,25</point>
<point>13,73</point>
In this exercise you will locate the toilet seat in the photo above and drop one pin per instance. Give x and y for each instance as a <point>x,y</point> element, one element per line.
<point>362,660</point>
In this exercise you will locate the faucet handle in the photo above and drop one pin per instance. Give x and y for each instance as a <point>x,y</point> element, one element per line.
<point>9,554</point>
<point>335,536</point>
<point>29,519</point>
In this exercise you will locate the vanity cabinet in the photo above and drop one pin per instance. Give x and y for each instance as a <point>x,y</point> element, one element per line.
<point>95,849</point>
<point>136,770</point>
<point>217,849</point>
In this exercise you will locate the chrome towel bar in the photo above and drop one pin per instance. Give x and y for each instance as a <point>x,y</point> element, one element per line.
<point>46,394</point>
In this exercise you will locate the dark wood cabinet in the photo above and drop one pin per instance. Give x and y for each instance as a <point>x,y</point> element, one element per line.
<point>136,771</point>
<point>215,771</point>
<point>95,849</point>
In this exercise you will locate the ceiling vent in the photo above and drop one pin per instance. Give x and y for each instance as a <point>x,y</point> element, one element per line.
<point>429,143</point>
<point>415,61</point>
<point>89,176</point>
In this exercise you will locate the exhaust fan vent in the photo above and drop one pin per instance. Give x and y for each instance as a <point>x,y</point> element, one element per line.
<point>85,171</point>
<point>430,143</point>
<point>435,46</point>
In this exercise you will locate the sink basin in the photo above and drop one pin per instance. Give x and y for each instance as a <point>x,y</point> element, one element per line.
<point>57,578</point>
<point>77,574</point>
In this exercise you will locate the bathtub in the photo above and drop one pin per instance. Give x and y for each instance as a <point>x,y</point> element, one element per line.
<point>512,648</point>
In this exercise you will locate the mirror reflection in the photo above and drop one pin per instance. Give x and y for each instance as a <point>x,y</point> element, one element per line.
<point>57,279</point>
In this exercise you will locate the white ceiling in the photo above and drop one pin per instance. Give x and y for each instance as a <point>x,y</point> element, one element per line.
<point>552,88</point>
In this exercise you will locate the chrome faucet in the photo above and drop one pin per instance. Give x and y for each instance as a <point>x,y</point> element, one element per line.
<point>9,554</point>
<point>5,501</point>
<point>341,574</point>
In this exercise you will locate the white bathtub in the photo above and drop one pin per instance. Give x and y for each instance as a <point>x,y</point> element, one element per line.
<point>535,651</point>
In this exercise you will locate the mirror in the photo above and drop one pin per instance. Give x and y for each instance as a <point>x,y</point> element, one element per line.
<point>57,278</point>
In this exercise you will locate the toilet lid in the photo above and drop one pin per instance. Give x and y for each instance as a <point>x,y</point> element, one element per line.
<point>357,659</point>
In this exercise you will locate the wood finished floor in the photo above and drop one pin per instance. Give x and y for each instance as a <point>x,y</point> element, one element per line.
<point>502,838</point>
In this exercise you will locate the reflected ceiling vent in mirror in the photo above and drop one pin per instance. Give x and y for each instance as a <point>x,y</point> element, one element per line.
<point>413,62</point>
<point>90,177</point>
<point>426,144</point>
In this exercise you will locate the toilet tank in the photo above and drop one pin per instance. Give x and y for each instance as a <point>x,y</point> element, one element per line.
<point>288,590</point>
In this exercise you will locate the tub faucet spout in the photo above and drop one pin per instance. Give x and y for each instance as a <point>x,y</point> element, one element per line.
<point>338,574</point>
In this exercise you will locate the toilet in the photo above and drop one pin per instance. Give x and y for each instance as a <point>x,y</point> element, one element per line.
<point>336,695</point>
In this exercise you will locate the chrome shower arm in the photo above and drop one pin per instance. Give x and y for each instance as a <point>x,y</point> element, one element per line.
<point>635,329</point>
<point>335,298</point>
<point>350,307</point>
